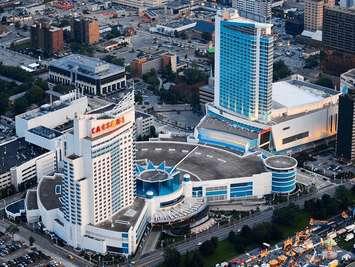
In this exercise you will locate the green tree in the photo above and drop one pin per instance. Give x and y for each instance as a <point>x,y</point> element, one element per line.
<point>21,105</point>
<point>31,240</point>
<point>280,70</point>
<point>168,74</point>
<point>324,81</point>
<point>207,248</point>
<point>206,36</point>
<point>172,257</point>
<point>138,98</point>
<point>311,62</point>
<point>35,95</point>
<point>194,75</point>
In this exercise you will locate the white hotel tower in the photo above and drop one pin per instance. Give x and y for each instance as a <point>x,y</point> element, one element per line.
<point>91,204</point>
<point>98,168</point>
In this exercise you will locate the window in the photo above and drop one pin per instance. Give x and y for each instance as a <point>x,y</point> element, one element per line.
<point>295,137</point>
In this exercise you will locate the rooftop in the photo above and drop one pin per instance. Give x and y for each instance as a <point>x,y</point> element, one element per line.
<point>294,93</point>
<point>49,191</point>
<point>203,162</point>
<point>126,218</point>
<point>87,66</point>
<point>215,124</point>
<point>44,109</point>
<point>143,115</point>
<point>45,132</point>
<point>154,176</point>
<point>17,152</point>
<point>281,162</point>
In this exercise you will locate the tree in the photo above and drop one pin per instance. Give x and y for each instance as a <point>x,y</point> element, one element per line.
<point>324,81</point>
<point>311,62</point>
<point>21,105</point>
<point>12,229</point>
<point>138,98</point>
<point>207,248</point>
<point>206,36</point>
<point>172,257</point>
<point>31,240</point>
<point>168,74</point>
<point>194,75</point>
<point>35,94</point>
<point>152,131</point>
<point>280,70</point>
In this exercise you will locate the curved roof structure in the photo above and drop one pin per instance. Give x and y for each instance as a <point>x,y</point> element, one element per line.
<point>281,162</point>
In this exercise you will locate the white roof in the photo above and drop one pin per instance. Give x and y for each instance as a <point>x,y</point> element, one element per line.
<point>291,95</point>
<point>317,35</point>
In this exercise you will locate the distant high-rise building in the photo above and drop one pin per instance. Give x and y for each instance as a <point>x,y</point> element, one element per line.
<point>243,66</point>
<point>347,3</point>
<point>345,148</point>
<point>259,10</point>
<point>338,40</point>
<point>86,31</point>
<point>313,13</point>
<point>339,29</point>
<point>47,38</point>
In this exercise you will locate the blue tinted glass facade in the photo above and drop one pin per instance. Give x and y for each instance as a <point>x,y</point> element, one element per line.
<point>241,190</point>
<point>245,69</point>
<point>283,182</point>
<point>197,191</point>
<point>159,188</point>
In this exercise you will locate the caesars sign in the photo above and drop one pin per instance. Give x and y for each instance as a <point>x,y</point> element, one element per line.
<point>107,126</point>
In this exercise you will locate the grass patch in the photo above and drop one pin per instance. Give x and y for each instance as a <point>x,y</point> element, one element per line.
<point>302,220</point>
<point>224,252</point>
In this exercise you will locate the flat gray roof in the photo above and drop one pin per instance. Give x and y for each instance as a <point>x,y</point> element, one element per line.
<point>17,152</point>
<point>87,66</point>
<point>124,219</point>
<point>203,162</point>
<point>49,191</point>
<point>31,200</point>
<point>281,162</point>
<point>211,123</point>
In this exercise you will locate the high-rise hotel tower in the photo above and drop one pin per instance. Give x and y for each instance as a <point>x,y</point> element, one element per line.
<point>243,66</point>
<point>98,168</point>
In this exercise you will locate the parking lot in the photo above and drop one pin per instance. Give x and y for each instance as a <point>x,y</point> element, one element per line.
<point>326,164</point>
<point>15,253</point>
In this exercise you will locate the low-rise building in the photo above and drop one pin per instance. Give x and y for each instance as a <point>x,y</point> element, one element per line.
<point>144,123</point>
<point>155,61</point>
<point>90,75</point>
<point>23,164</point>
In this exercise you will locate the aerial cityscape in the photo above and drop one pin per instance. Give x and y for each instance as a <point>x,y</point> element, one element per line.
<point>177,133</point>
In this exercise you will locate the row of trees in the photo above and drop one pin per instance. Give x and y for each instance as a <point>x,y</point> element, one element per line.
<point>114,60</point>
<point>16,73</point>
<point>172,258</point>
<point>284,218</point>
<point>329,206</point>
<point>280,70</point>
<point>186,89</point>
<point>35,94</point>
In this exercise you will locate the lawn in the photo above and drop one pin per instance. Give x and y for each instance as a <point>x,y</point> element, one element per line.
<point>224,252</point>
<point>302,220</point>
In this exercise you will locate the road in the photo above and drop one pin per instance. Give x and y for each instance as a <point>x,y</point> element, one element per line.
<point>156,257</point>
<point>43,244</point>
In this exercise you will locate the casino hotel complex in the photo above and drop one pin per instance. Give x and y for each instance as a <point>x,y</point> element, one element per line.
<point>106,188</point>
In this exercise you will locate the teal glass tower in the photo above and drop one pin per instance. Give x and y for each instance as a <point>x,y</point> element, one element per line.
<point>243,66</point>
